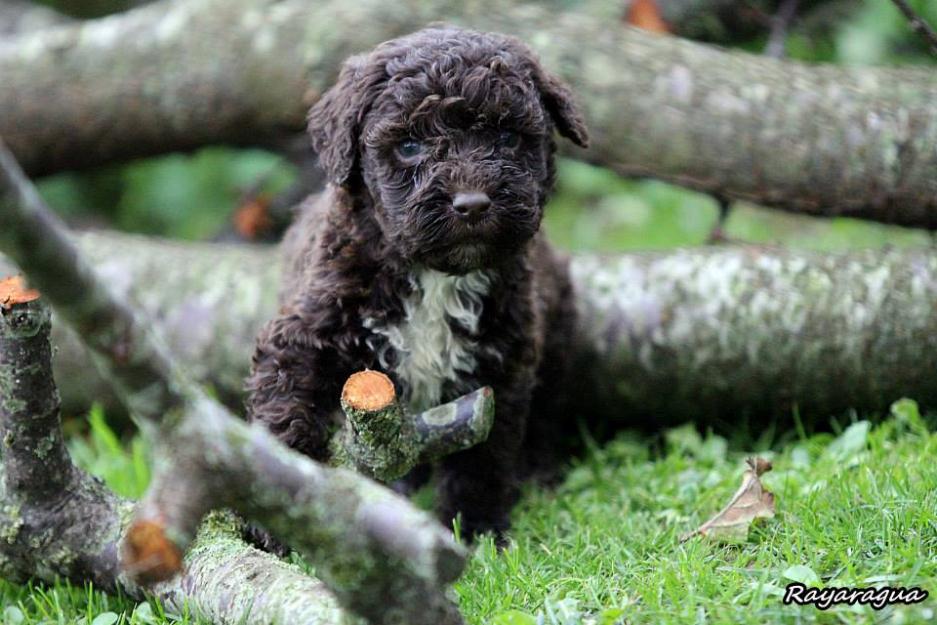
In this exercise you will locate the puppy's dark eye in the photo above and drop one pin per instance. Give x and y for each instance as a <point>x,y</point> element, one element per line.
<point>508,139</point>
<point>409,148</point>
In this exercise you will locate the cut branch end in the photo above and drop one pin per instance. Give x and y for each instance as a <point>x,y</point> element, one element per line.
<point>149,556</point>
<point>13,291</point>
<point>368,391</point>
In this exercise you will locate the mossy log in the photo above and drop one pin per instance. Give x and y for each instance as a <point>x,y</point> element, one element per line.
<point>54,520</point>
<point>180,74</point>
<point>723,334</point>
<point>384,560</point>
<point>58,522</point>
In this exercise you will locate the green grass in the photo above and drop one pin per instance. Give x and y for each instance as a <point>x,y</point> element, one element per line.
<point>854,509</point>
<point>66,604</point>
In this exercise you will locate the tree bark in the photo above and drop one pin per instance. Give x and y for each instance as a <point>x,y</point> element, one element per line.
<point>17,16</point>
<point>741,335</point>
<point>717,334</point>
<point>53,518</point>
<point>381,440</point>
<point>57,521</point>
<point>385,560</point>
<point>173,76</point>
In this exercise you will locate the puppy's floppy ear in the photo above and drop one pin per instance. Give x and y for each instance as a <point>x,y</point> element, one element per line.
<point>335,120</point>
<point>561,105</point>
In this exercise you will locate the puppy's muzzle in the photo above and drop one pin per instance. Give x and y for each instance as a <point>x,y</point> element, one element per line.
<point>471,206</point>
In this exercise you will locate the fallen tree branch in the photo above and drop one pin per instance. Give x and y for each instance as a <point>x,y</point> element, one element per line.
<point>380,440</point>
<point>39,487</point>
<point>177,75</point>
<point>56,521</point>
<point>719,334</point>
<point>385,560</point>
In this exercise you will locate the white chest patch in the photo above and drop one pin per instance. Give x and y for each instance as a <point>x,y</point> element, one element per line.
<point>428,353</point>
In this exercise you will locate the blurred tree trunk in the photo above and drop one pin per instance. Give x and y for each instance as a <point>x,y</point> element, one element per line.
<point>18,16</point>
<point>715,334</point>
<point>179,75</point>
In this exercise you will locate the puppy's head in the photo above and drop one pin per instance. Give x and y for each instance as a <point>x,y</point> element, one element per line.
<point>450,132</point>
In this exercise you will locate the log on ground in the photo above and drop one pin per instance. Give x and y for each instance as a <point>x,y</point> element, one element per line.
<point>177,75</point>
<point>58,522</point>
<point>718,334</point>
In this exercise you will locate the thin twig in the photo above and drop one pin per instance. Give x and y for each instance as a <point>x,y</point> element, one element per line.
<point>918,24</point>
<point>780,22</point>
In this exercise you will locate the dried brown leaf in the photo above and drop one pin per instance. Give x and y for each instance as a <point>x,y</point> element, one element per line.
<point>750,502</point>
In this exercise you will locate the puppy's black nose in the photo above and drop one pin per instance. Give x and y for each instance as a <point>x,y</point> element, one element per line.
<point>471,205</point>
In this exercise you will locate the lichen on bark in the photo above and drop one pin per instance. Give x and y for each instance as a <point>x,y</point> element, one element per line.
<point>728,334</point>
<point>385,441</point>
<point>374,550</point>
<point>810,138</point>
<point>56,521</point>
<point>714,334</point>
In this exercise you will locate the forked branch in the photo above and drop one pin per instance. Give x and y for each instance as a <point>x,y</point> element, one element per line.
<point>385,560</point>
<point>57,521</point>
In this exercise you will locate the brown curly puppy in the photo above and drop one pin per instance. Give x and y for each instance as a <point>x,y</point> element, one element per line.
<point>422,258</point>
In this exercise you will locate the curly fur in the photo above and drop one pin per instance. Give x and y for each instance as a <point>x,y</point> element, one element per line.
<point>422,349</point>
<point>383,272</point>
